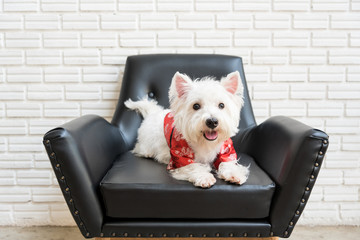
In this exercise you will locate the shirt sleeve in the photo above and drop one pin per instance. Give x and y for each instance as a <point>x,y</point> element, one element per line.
<point>227,153</point>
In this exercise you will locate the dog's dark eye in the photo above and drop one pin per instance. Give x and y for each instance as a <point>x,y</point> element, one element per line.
<point>196,106</point>
<point>221,105</point>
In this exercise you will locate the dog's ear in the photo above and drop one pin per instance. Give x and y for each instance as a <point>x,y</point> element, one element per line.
<point>181,83</point>
<point>232,83</point>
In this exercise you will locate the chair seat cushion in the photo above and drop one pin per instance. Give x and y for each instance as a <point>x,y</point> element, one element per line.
<point>136,187</point>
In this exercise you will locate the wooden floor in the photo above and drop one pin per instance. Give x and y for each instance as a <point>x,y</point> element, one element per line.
<point>268,238</point>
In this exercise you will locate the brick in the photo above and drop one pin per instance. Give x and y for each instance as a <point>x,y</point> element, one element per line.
<point>326,74</point>
<point>271,57</point>
<point>12,92</point>
<point>344,56</point>
<point>354,39</point>
<point>61,40</point>
<point>13,127</point>
<point>3,145</point>
<point>24,110</point>
<point>2,110</point>
<point>325,5</point>
<point>47,194</point>
<point>261,109</point>
<point>81,57</point>
<point>353,74</point>
<point>342,160</point>
<point>310,21</point>
<point>355,5</point>
<point>25,144</point>
<point>137,39</point>
<point>98,39</point>
<point>341,193</point>
<point>10,22</point>
<point>352,177</point>
<point>40,127</point>
<point>42,22</point>
<point>119,22</point>
<point>7,178</point>
<point>43,57</point>
<point>62,109</point>
<point>196,21</point>
<point>45,92</point>
<point>22,40</point>
<point>343,127</point>
<point>59,5</point>
<point>104,109</point>
<point>270,92</point>
<point>11,57</point>
<point>116,56</point>
<point>272,21</point>
<point>139,5</point>
<point>61,74</point>
<point>252,39</point>
<point>100,74</point>
<point>42,160</point>
<point>62,218</point>
<point>307,91</point>
<point>289,109</point>
<point>291,39</point>
<point>350,211</point>
<point>345,21</point>
<point>289,74</point>
<point>214,5</point>
<point>257,73</point>
<point>14,195</point>
<point>97,5</point>
<point>157,21</point>
<point>213,39</point>
<point>82,92</point>
<point>16,160</point>
<point>329,39</point>
<point>320,109</point>
<point>175,5</point>
<point>175,39</point>
<point>330,177</point>
<point>252,5</point>
<point>73,22</point>
<point>345,91</point>
<point>308,56</point>
<point>352,109</point>
<point>110,92</point>
<point>33,178</point>
<point>20,5</point>
<point>233,21</point>
<point>351,143</point>
<point>31,218</point>
<point>24,75</point>
<point>291,5</point>
<point>328,213</point>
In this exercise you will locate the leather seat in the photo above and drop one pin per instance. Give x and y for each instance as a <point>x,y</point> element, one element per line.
<point>111,193</point>
<point>141,188</point>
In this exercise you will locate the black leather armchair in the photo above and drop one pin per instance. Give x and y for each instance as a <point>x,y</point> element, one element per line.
<point>112,193</point>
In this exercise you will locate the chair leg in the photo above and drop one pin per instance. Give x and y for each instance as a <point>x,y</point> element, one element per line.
<point>267,238</point>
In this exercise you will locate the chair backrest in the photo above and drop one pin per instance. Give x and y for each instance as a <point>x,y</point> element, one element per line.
<point>151,75</point>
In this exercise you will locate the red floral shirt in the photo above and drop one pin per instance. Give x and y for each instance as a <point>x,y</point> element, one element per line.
<point>182,154</point>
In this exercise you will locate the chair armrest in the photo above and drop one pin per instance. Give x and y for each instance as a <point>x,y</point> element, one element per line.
<point>81,152</point>
<point>291,153</point>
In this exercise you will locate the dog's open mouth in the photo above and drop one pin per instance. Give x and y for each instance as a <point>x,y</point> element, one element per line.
<point>210,135</point>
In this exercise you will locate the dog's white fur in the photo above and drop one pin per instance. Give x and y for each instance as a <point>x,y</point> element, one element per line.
<point>183,94</point>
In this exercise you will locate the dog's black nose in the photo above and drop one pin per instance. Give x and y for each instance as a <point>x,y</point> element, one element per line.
<point>212,123</point>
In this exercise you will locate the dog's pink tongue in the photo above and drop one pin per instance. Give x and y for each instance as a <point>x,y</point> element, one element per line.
<point>211,135</point>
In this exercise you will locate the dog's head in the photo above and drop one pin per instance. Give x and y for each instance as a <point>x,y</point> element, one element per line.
<point>206,111</point>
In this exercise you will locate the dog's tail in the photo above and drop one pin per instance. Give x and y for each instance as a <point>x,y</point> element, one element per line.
<point>144,106</point>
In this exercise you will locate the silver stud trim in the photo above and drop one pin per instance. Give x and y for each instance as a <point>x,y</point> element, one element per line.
<point>325,141</point>
<point>101,234</point>
<point>152,235</point>
<point>87,234</point>
<point>164,235</point>
<point>217,234</point>
<point>190,235</point>
<point>57,165</point>
<point>204,235</point>
<point>113,234</point>
<point>231,235</point>
<point>321,153</point>
<point>125,234</point>
<point>76,212</point>
<point>139,234</point>
<point>67,189</point>
<point>291,223</point>
<point>286,233</point>
<point>177,235</point>
<point>245,234</point>
<point>316,164</point>
<point>258,235</point>
<point>303,200</point>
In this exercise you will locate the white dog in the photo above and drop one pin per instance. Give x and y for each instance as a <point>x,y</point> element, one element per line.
<point>193,136</point>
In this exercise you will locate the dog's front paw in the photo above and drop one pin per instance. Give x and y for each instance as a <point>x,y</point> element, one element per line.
<point>233,172</point>
<point>205,180</point>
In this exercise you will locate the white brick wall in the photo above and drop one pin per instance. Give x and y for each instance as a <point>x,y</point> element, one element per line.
<point>60,59</point>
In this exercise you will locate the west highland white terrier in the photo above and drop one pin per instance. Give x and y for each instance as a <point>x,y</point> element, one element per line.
<point>193,136</point>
